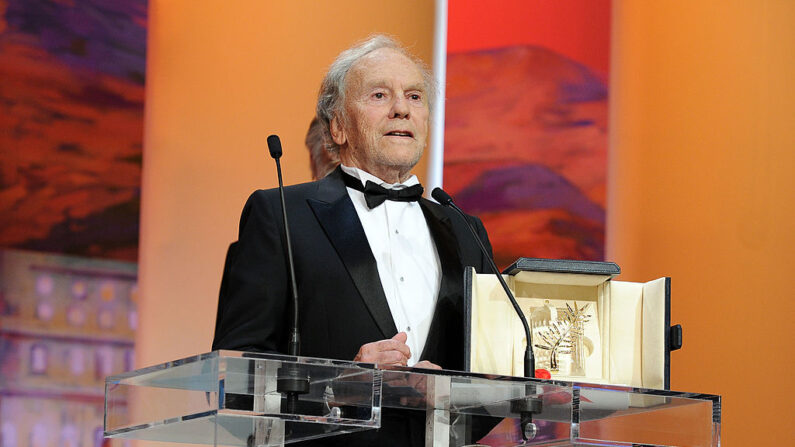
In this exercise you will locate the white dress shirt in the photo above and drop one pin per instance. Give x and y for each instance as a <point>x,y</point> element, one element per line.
<point>404,251</point>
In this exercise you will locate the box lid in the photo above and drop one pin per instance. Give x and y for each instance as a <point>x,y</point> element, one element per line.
<point>563,266</point>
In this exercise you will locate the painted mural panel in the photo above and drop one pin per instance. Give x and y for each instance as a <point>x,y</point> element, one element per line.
<point>66,323</point>
<point>71,125</point>
<point>526,124</point>
<point>71,132</point>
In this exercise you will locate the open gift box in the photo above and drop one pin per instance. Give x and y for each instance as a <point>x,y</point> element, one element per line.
<point>586,327</point>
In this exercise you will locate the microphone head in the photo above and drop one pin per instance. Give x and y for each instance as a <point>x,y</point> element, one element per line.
<point>442,197</point>
<point>275,146</point>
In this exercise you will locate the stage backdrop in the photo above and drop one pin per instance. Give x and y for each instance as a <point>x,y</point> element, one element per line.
<point>71,132</point>
<point>71,125</point>
<point>525,136</point>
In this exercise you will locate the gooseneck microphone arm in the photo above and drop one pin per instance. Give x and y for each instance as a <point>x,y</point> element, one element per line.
<point>294,345</point>
<point>531,405</point>
<point>291,380</point>
<point>529,359</point>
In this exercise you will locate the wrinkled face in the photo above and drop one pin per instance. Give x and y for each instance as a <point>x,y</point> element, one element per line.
<point>386,115</point>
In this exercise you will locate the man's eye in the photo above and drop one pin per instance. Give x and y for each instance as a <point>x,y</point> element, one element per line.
<point>379,95</point>
<point>415,97</point>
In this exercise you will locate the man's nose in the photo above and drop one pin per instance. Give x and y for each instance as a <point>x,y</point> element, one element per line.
<point>400,108</point>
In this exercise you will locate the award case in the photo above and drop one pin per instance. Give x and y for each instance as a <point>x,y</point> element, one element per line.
<point>597,329</point>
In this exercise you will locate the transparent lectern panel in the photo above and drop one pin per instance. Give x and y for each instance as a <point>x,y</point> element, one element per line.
<point>231,398</point>
<point>631,416</point>
<point>471,409</point>
<point>160,394</point>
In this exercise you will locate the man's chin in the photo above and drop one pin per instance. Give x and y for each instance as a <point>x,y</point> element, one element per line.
<point>404,159</point>
<point>403,151</point>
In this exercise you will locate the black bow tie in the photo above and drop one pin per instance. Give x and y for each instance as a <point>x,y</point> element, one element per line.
<point>375,194</point>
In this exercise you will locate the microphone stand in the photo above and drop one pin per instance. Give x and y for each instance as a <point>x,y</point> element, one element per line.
<point>531,405</point>
<point>291,381</point>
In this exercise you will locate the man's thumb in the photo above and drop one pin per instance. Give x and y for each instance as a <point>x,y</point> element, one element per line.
<point>401,337</point>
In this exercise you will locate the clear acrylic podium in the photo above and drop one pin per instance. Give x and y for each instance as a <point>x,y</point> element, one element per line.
<point>229,398</point>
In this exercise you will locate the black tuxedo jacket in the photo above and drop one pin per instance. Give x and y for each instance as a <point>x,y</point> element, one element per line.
<point>342,303</point>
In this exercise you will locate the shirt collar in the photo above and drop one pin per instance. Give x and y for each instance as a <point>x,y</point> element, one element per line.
<point>365,176</point>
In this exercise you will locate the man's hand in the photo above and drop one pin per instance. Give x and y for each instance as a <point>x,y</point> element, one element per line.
<point>426,364</point>
<point>394,351</point>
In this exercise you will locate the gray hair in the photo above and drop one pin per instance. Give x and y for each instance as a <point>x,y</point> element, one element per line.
<point>331,98</point>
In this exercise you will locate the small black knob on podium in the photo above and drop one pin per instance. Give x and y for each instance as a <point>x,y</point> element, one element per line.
<point>526,408</point>
<point>675,337</point>
<point>291,381</point>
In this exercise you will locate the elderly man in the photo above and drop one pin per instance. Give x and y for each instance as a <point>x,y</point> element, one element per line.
<point>379,268</point>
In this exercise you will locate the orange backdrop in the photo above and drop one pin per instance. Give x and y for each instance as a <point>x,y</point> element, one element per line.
<point>701,188</point>
<point>221,77</point>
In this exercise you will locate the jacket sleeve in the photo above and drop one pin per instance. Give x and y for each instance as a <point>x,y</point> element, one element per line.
<point>253,303</point>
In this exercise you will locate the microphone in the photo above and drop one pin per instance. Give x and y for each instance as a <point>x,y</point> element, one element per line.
<point>294,345</point>
<point>290,380</point>
<point>529,359</point>
<point>275,148</point>
<point>527,407</point>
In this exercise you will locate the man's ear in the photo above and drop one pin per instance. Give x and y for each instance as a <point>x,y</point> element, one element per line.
<point>337,131</point>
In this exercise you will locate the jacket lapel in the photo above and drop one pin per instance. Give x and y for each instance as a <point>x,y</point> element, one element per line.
<point>336,214</point>
<point>448,314</point>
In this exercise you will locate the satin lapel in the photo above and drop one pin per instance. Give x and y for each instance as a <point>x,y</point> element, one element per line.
<point>448,303</point>
<point>339,220</point>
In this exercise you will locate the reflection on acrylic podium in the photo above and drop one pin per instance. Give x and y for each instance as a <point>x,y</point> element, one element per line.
<point>229,398</point>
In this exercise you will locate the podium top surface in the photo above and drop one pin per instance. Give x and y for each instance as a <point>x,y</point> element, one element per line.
<point>203,372</point>
<point>224,393</point>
